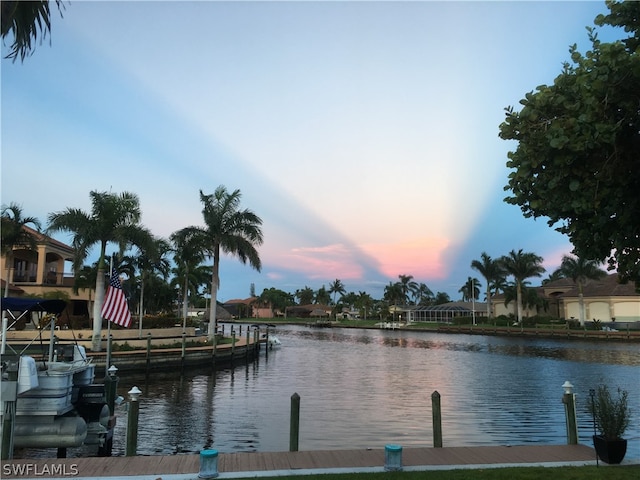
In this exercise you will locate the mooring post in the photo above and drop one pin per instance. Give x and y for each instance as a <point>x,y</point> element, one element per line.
<point>569,400</point>
<point>110,393</point>
<point>233,343</point>
<point>436,414</point>
<point>266,345</point>
<point>214,348</point>
<point>110,388</point>
<point>109,350</point>
<point>256,337</point>
<point>9,397</point>
<point>246,347</point>
<point>148,349</point>
<point>132,422</point>
<point>294,430</point>
<point>184,348</point>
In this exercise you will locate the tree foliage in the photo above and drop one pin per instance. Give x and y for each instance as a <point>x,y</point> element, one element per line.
<point>25,22</point>
<point>113,218</point>
<point>576,160</point>
<point>231,230</point>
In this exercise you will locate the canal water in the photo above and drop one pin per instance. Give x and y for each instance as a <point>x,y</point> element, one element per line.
<point>367,388</point>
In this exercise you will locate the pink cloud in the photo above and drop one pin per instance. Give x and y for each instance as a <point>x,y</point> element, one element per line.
<point>421,258</point>
<point>324,262</point>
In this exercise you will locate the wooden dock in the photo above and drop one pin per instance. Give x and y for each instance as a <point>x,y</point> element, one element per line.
<point>287,463</point>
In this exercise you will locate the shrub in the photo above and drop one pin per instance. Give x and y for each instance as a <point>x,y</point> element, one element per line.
<point>611,414</point>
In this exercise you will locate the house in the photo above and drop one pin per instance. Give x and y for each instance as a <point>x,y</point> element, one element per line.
<point>42,271</point>
<point>309,311</point>
<point>605,300</point>
<point>248,308</point>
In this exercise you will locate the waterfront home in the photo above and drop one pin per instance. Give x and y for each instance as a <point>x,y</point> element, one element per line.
<point>43,271</point>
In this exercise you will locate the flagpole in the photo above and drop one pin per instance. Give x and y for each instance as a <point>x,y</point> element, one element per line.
<point>108,362</point>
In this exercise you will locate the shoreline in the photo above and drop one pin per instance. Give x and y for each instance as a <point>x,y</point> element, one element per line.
<point>555,332</point>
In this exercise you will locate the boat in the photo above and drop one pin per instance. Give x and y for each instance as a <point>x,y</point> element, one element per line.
<point>271,340</point>
<point>49,400</point>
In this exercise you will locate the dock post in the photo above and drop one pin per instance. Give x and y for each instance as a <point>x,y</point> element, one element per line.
<point>233,344</point>
<point>208,464</point>
<point>109,350</point>
<point>266,345</point>
<point>148,350</point>
<point>436,414</point>
<point>294,430</point>
<point>9,397</point>
<point>132,422</point>
<point>569,400</point>
<point>246,348</point>
<point>110,393</point>
<point>214,348</point>
<point>184,348</point>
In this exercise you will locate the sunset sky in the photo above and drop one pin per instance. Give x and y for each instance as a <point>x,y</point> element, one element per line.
<point>364,134</point>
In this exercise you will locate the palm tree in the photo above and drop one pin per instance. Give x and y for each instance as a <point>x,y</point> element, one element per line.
<point>228,229</point>
<point>470,290</point>
<point>521,265</point>
<point>113,218</point>
<point>408,286</point>
<point>13,234</point>
<point>336,287</point>
<point>423,295</point>
<point>580,270</point>
<point>189,253</point>
<point>364,302</point>
<point>555,275</point>
<point>26,21</point>
<point>305,296</point>
<point>322,296</point>
<point>491,270</point>
<point>188,283</point>
<point>85,279</point>
<point>530,298</point>
<point>151,258</point>
<point>441,298</point>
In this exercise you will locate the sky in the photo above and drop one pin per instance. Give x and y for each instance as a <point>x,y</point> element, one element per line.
<point>363,134</point>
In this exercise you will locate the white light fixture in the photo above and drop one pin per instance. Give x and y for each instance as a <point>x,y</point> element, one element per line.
<point>112,371</point>
<point>568,387</point>
<point>134,394</point>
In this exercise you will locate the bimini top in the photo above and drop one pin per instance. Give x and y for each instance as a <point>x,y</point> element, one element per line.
<point>20,304</point>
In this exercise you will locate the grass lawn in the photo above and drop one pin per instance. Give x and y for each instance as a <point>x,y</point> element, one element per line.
<point>604,472</point>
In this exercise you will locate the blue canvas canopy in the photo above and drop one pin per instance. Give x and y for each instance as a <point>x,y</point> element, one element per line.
<point>19,304</point>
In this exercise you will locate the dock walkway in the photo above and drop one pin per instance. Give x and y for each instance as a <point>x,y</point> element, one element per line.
<point>271,464</point>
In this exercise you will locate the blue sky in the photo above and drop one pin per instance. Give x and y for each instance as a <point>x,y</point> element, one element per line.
<point>364,134</point>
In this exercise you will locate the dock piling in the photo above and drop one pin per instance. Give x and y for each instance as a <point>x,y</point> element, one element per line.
<point>132,422</point>
<point>294,430</point>
<point>569,400</point>
<point>436,414</point>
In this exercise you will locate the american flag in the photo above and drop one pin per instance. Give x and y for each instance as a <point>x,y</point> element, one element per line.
<point>115,306</point>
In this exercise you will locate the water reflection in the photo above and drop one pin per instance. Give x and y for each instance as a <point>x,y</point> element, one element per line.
<point>366,388</point>
<point>573,350</point>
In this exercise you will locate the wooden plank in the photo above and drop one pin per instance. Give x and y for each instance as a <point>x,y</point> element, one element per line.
<point>97,467</point>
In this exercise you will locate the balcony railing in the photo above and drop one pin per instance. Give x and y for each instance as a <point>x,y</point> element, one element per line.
<point>51,278</point>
